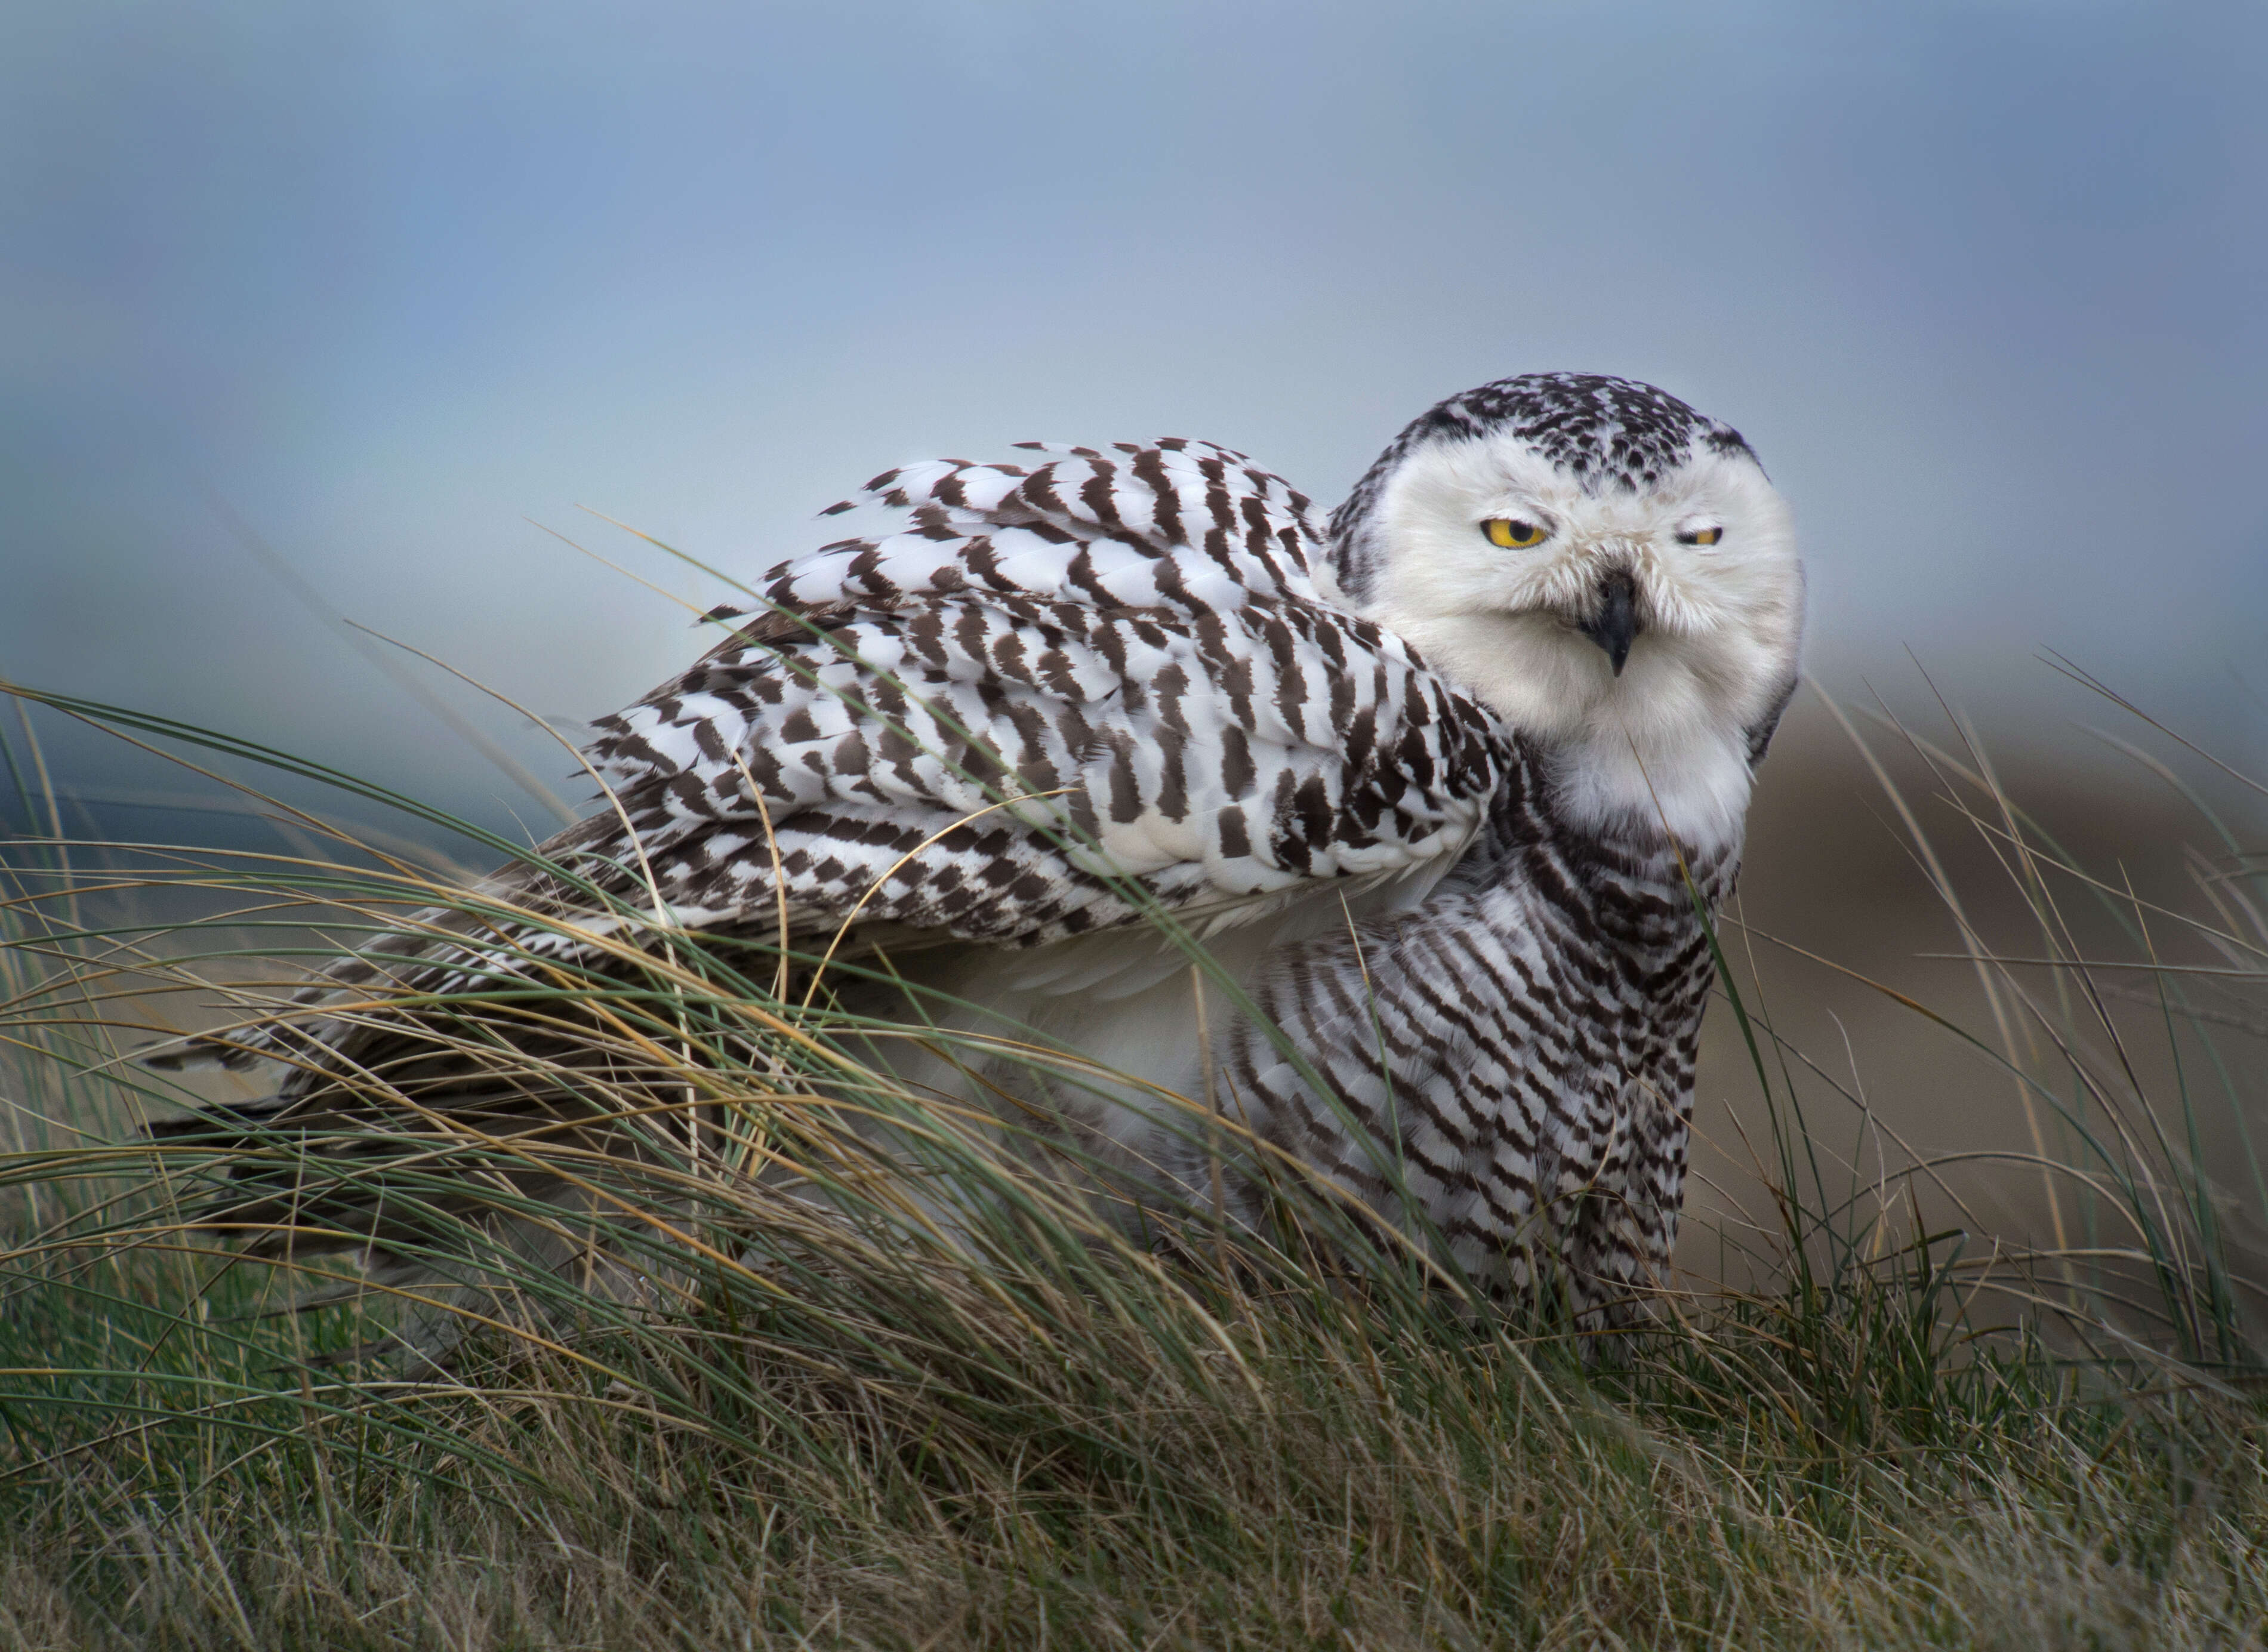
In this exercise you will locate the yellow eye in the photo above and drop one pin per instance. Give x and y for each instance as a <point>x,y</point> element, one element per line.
<point>1702,535</point>
<point>1511,533</point>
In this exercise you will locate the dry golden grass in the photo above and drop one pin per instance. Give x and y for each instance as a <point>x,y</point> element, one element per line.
<point>809,1416</point>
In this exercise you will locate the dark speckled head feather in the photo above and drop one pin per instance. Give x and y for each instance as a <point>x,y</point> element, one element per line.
<point>1607,433</point>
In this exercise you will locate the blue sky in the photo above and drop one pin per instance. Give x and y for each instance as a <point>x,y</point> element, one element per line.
<point>1982,283</point>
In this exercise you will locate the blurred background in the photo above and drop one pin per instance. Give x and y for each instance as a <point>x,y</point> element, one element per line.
<point>312,314</point>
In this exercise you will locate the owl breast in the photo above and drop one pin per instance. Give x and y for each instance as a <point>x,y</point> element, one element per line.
<point>1513,1064</point>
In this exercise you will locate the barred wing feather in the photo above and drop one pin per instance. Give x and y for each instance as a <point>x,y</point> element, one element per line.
<point>1048,684</point>
<point>1044,701</point>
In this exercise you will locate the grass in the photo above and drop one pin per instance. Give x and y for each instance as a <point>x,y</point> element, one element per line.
<point>797,1359</point>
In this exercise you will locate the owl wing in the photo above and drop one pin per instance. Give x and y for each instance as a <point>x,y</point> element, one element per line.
<point>1041,702</point>
<point>1050,699</point>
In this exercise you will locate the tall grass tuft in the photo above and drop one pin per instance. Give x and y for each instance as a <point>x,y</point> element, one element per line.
<point>753,1345</point>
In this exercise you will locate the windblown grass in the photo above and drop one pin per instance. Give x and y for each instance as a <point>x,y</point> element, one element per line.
<point>788,1356</point>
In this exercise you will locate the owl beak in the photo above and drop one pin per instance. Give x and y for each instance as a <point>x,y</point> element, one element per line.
<point>1617,622</point>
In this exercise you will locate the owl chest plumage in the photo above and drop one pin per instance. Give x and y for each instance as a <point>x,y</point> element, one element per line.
<point>1515,1059</point>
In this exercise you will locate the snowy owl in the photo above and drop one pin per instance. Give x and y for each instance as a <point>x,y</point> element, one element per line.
<point>1444,786</point>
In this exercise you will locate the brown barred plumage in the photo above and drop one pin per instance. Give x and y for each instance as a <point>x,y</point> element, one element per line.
<point>1518,1054</point>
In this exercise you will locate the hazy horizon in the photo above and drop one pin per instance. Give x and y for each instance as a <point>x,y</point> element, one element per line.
<point>1979,281</point>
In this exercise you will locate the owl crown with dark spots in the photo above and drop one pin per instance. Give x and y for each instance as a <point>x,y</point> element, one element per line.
<point>1609,433</point>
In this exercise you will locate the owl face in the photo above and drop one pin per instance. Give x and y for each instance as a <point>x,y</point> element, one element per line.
<point>1607,570</point>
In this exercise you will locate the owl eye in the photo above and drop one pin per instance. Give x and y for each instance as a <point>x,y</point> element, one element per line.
<point>1701,536</point>
<point>1512,534</point>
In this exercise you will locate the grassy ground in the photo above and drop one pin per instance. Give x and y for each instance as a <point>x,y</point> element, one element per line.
<point>772,1421</point>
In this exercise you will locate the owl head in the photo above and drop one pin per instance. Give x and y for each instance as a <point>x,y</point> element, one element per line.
<point>1608,570</point>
